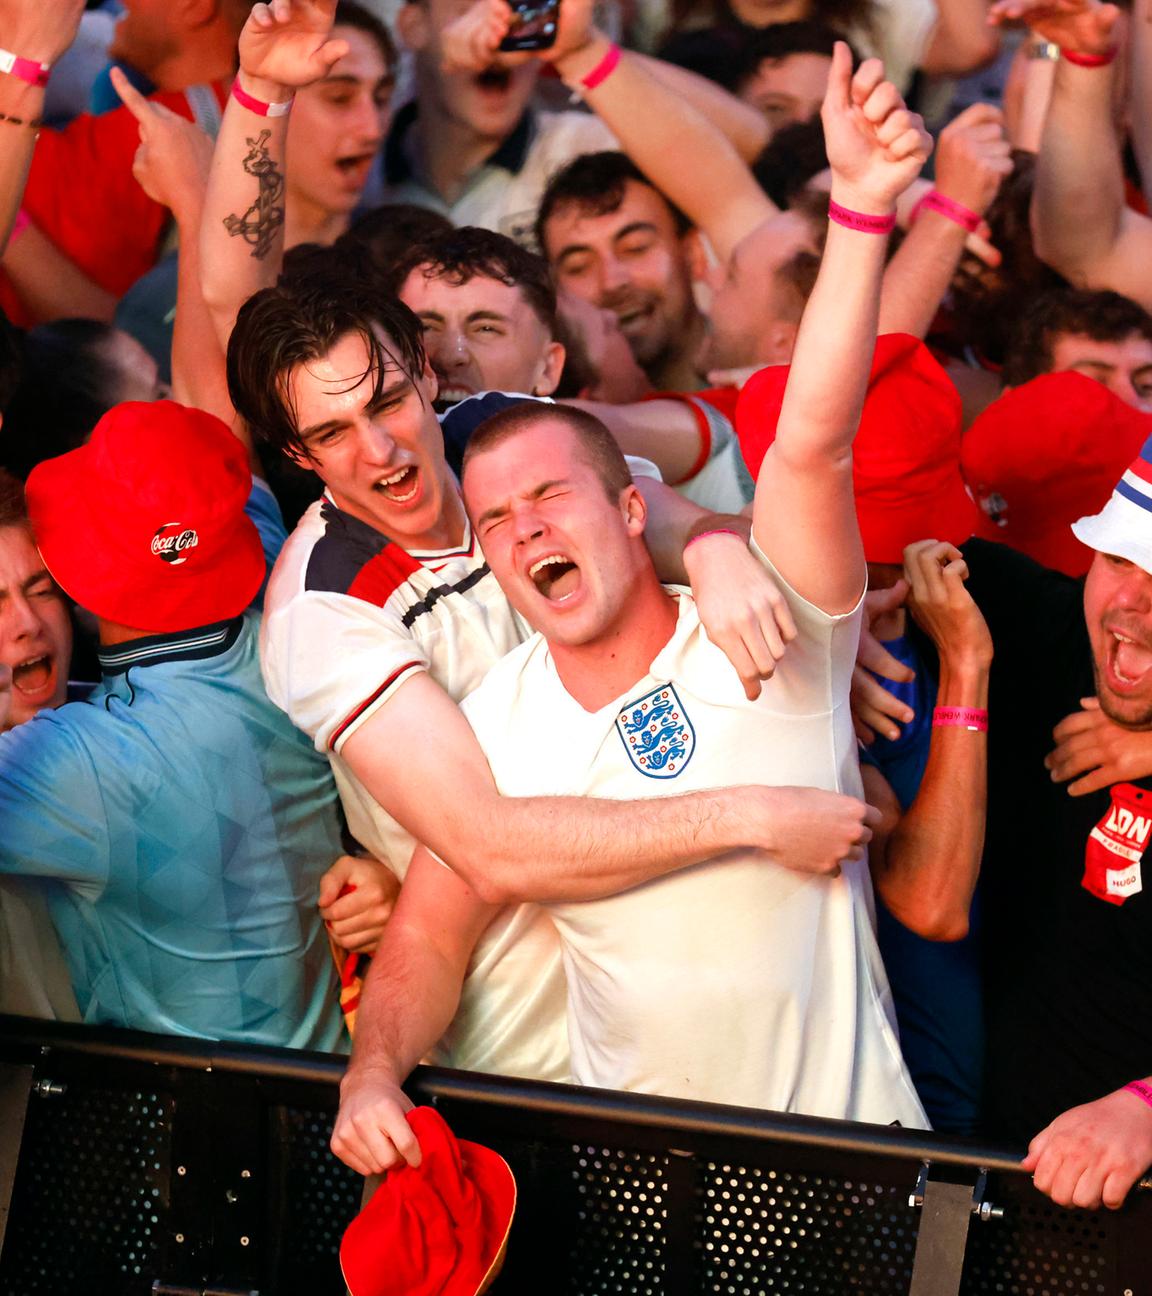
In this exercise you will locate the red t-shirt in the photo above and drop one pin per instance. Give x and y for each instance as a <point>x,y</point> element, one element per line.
<point>82,195</point>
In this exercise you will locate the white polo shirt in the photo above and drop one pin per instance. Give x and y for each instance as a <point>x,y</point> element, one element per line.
<point>737,981</point>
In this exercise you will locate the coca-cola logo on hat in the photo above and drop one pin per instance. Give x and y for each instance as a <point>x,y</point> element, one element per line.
<point>172,541</point>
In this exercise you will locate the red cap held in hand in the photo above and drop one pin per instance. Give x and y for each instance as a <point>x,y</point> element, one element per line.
<point>437,1230</point>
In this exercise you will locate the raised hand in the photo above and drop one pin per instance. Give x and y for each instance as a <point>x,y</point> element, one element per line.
<point>943,608</point>
<point>174,156</point>
<point>41,30</point>
<point>876,146</point>
<point>1085,26</point>
<point>287,44</point>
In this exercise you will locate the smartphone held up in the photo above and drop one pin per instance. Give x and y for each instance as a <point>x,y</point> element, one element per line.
<point>533,25</point>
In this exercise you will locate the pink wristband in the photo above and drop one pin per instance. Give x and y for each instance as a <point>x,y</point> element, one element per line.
<point>26,69</point>
<point>1089,60</point>
<point>974,718</point>
<point>942,205</point>
<point>258,105</point>
<point>603,70</point>
<point>715,531</point>
<point>1141,1090</point>
<point>19,225</point>
<point>861,221</point>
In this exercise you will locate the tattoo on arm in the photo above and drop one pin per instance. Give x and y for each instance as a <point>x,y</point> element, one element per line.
<point>260,224</point>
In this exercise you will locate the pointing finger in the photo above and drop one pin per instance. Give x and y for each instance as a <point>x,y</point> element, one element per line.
<point>132,99</point>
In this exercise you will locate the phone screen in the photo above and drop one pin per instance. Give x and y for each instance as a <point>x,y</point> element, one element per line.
<point>533,25</point>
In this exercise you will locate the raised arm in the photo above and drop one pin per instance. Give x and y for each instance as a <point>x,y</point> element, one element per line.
<point>804,514</point>
<point>685,155</point>
<point>974,156</point>
<point>37,33</point>
<point>284,46</point>
<point>927,869</point>
<point>1081,223</point>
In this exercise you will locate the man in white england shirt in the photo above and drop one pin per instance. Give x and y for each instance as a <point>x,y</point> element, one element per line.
<point>739,980</point>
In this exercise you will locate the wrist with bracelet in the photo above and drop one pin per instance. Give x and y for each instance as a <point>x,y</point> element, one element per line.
<point>1081,59</point>
<point>863,222</point>
<point>31,71</point>
<point>950,209</point>
<point>260,106</point>
<point>974,719</point>
<point>596,75</point>
<point>1139,1089</point>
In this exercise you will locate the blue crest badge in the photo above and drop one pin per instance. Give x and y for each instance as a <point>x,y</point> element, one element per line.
<point>656,733</point>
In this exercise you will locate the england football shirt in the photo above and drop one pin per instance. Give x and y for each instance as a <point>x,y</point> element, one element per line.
<point>736,981</point>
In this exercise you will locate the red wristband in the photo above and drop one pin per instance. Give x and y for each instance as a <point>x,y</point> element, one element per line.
<point>258,105</point>
<point>715,531</point>
<point>942,205</point>
<point>26,69</point>
<point>1090,60</point>
<point>603,70</point>
<point>974,718</point>
<point>1141,1090</point>
<point>861,221</point>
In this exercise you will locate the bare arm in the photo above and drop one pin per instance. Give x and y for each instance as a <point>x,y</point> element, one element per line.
<point>410,997</point>
<point>876,148</point>
<point>961,41</point>
<point>664,431</point>
<point>242,230</point>
<point>927,872</point>
<point>1140,89</point>
<point>1081,224</point>
<point>568,848</point>
<point>171,166</point>
<point>745,126</point>
<point>51,285</point>
<point>41,33</point>
<point>974,156</point>
<point>685,155</point>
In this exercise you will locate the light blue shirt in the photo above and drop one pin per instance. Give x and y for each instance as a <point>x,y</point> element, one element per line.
<point>180,825</point>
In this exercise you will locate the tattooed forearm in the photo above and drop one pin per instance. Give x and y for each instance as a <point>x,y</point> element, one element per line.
<point>260,224</point>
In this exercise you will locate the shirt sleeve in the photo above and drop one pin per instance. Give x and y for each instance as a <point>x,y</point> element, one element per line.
<point>264,511</point>
<point>330,661</point>
<point>819,661</point>
<point>54,820</point>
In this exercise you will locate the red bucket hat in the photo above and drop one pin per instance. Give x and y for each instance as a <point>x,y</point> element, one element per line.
<point>1045,454</point>
<point>145,524</point>
<point>437,1230</point>
<point>906,456</point>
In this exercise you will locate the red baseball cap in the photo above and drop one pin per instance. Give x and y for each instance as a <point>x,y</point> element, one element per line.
<point>439,1229</point>
<point>145,524</point>
<point>1046,454</point>
<point>906,456</point>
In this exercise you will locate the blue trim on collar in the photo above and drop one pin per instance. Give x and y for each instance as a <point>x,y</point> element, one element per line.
<point>184,645</point>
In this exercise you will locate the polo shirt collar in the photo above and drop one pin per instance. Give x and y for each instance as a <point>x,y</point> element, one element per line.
<point>511,154</point>
<point>184,645</point>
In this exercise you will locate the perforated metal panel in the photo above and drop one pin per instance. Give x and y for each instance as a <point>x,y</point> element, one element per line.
<point>1039,1249</point>
<point>320,1197</point>
<point>622,1221</point>
<point>91,1194</point>
<point>797,1232</point>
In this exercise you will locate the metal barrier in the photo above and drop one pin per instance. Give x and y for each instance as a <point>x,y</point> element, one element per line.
<point>135,1163</point>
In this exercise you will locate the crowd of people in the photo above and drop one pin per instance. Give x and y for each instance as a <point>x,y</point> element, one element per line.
<point>625,563</point>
